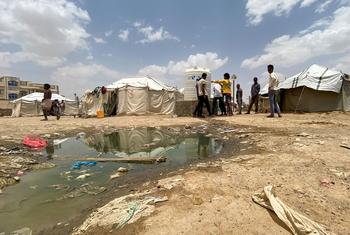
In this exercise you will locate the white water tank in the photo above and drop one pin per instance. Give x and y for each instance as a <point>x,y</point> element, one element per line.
<point>192,74</point>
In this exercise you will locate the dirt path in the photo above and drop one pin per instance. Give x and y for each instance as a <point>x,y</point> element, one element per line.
<point>297,152</point>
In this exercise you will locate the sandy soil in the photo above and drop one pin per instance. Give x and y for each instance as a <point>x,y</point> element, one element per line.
<point>296,153</point>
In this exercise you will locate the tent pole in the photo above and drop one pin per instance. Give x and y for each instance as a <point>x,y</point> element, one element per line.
<point>296,107</point>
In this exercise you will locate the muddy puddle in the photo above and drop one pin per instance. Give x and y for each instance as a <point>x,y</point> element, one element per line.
<point>45,198</point>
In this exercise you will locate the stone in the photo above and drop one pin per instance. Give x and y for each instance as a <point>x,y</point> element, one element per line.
<point>17,178</point>
<point>197,201</point>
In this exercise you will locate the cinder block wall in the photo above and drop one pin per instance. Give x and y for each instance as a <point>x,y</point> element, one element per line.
<point>5,108</point>
<point>186,108</point>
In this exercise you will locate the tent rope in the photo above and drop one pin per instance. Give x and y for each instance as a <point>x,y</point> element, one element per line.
<point>320,78</point>
<point>297,106</point>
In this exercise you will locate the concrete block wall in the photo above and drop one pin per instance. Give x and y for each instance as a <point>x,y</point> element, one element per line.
<point>186,108</point>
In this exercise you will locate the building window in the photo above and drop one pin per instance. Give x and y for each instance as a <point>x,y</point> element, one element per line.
<point>23,93</point>
<point>12,96</point>
<point>23,83</point>
<point>12,83</point>
<point>1,91</point>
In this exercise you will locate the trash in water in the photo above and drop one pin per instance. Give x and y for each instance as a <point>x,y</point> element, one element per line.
<point>77,165</point>
<point>23,231</point>
<point>81,135</point>
<point>116,175</point>
<point>84,189</point>
<point>82,177</point>
<point>59,186</point>
<point>122,169</point>
<point>59,141</point>
<point>34,142</point>
<point>17,178</point>
<point>20,173</point>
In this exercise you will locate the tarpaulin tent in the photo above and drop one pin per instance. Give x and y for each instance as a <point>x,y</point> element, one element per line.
<point>143,95</point>
<point>316,89</point>
<point>30,105</point>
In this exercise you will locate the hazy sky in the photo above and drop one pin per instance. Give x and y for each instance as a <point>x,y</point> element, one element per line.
<point>85,43</point>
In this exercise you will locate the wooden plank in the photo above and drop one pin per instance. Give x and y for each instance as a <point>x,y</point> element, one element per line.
<point>140,160</point>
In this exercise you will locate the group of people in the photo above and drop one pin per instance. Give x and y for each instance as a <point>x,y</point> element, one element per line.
<point>222,95</point>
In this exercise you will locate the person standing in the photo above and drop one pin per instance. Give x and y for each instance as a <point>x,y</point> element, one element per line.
<point>273,87</point>
<point>46,103</point>
<point>195,113</point>
<point>203,96</point>
<point>239,98</point>
<point>254,92</point>
<point>226,93</point>
<point>218,98</point>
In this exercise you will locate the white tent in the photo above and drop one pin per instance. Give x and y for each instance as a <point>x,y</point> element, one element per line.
<point>316,89</point>
<point>143,95</point>
<point>30,105</point>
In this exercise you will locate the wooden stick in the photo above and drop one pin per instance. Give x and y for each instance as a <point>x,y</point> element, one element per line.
<point>141,160</point>
<point>345,146</point>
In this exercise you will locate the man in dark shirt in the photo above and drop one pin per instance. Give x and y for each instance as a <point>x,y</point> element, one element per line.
<point>254,96</point>
<point>239,98</point>
<point>46,102</point>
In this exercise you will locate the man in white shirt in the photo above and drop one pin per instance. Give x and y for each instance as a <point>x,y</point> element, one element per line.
<point>218,97</point>
<point>202,85</point>
<point>273,87</point>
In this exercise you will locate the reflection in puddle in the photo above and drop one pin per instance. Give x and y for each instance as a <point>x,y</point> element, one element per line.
<point>47,197</point>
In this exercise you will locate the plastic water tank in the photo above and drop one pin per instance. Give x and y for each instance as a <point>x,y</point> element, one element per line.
<point>192,74</point>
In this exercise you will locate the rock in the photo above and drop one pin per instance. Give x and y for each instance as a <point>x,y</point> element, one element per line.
<point>23,231</point>
<point>187,127</point>
<point>47,136</point>
<point>122,169</point>
<point>303,134</point>
<point>197,201</point>
<point>17,178</point>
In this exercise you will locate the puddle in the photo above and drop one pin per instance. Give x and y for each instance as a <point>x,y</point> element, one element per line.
<point>44,198</point>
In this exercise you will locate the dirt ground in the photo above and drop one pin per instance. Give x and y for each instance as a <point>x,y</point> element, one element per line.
<point>296,153</point>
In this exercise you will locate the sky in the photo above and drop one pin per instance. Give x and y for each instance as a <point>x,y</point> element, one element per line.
<point>81,44</point>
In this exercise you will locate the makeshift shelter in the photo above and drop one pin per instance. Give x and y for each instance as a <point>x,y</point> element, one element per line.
<point>316,89</point>
<point>92,101</point>
<point>30,105</point>
<point>143,95</point>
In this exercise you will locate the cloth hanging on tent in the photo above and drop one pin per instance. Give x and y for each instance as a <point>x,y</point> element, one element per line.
<point>297,223</point>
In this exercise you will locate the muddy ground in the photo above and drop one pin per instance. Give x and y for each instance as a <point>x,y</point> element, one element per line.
<point>299,154</point>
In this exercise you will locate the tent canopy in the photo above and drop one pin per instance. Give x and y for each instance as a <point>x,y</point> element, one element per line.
<point>38,96</point>
<point>315,77</point>
<point>141,82</point>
